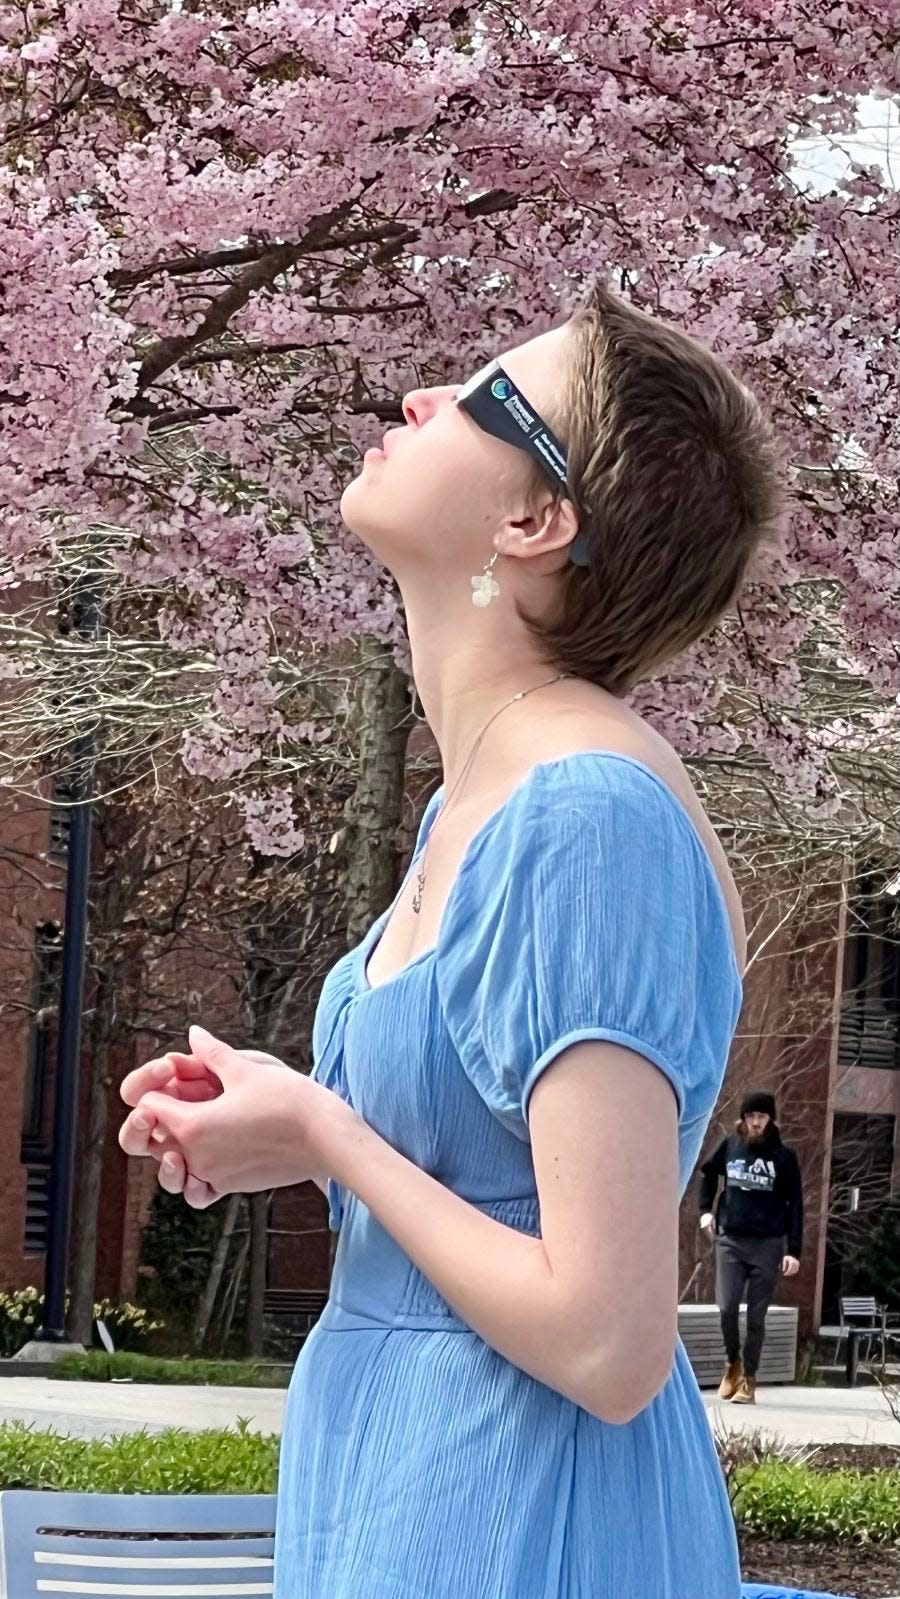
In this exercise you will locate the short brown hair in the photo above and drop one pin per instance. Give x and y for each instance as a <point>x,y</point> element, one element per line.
<point>674,471</point>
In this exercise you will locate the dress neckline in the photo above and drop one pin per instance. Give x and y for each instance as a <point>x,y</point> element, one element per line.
<point>366,948</point>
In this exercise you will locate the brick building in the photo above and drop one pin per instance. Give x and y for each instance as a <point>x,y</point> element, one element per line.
<point>820,1027</point>
<point>33,847</point>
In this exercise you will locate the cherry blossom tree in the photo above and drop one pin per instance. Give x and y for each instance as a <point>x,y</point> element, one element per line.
<point>230,237</point>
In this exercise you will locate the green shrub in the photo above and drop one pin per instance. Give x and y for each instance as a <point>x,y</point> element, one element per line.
<point>20,1318</point>
<point>98,1367</point>
<point>792,1501</point>
<point>775,1498</point>
<point>171,1462</point>
<point>739,1449</point>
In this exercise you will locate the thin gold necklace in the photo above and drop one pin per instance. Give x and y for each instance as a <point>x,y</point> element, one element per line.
<point>423,859</point>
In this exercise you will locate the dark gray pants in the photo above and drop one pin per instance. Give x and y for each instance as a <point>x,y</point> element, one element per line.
<point>746,1269</point>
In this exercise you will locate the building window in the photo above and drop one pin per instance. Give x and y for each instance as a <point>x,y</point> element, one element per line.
<point>870,1011</point>
<point>47,973</point>
<point>862,1161</point>
<point>37,1207</point>
<point>45,988</point>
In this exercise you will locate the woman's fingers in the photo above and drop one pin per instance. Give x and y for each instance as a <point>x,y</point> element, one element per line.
<point>172,1172</point>
<point>139,1132</point>
<point>191,1090</point>
<point>180,1076</point>
<point>198,1194</point>
<point>187,1079</point>
<point>144,1080</point>
<point>175,1178</point>
<point>143,1135</point>
<point>187,1065</point>
<point>193,1081</point>
<point>158,1123</point>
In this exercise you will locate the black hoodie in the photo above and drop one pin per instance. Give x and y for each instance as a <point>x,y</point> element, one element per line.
<point>763,1196</point>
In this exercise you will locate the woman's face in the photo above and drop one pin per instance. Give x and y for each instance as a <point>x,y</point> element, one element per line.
<point>433,498</point>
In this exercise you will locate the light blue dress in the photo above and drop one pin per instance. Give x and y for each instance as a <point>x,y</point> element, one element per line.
<point>418,1463</point>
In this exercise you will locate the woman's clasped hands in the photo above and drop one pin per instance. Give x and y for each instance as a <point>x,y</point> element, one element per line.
<point>228,1121</point>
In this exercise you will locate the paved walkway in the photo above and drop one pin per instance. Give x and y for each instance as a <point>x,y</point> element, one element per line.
<point>812,1415</point>
<point>97,1410</point>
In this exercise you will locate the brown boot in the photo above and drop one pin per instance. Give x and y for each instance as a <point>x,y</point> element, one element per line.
<point>746,1391</point>
<point>734,1375</point>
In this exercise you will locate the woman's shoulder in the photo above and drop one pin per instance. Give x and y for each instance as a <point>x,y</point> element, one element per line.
<point>605,777</point>
<point>564,796</point>
<point>613,750</point>
<point>610,793</point>
<point>628,785</point>
<point>588,908</point>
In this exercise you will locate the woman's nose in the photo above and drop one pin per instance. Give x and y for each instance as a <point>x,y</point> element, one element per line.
<point>421,404</point>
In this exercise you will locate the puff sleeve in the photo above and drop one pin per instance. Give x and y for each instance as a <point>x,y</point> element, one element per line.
<point>588,908</point>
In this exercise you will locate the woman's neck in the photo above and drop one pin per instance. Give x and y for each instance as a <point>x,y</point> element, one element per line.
<point>466,666</point>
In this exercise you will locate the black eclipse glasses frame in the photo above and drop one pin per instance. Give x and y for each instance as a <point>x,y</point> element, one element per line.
<point>497,405</point>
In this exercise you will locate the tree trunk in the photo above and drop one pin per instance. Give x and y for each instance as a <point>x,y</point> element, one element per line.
<point>232,1294</point>
<point>204,1309</point>
<point>84,1268</point>
<point>122,846</point>
<point>256,1281</point>
<point>384,720</point>
<point>85,1264</point>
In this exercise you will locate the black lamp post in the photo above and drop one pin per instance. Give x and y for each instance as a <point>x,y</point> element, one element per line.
<point>68,1052</point>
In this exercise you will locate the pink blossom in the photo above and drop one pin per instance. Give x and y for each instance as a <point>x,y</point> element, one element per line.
<point>165,154</point>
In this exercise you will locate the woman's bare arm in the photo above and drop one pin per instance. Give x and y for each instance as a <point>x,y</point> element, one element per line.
<point>590,1308</point>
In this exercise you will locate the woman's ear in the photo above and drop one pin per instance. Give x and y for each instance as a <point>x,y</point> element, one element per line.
<point>549,529</point>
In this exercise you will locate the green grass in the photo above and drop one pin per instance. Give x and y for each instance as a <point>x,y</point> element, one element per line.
<point>791,1501</point>
<point>173,1462</point>
<point>96,1366</point>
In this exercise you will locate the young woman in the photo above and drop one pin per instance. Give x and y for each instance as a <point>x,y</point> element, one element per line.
<point>494,1404</point>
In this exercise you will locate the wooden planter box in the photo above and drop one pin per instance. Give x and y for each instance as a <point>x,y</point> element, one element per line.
<point>700,1330</point>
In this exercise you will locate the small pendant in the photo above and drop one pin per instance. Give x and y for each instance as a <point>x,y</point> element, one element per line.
<point>484,589</point>
<point>417,896</point>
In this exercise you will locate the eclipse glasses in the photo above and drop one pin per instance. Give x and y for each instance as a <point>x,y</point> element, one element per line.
<point>498,407</point>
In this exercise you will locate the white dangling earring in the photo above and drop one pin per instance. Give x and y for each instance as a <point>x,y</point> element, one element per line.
<point>485,586</point>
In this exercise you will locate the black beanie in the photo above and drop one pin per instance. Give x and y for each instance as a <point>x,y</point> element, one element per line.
<point>761,1102</point>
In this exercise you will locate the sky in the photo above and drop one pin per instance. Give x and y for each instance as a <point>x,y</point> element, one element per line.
<point>822,162</point>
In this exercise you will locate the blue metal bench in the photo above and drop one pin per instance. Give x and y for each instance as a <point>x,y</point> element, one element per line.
<point>135,1546</point>
<point>150,1546</point>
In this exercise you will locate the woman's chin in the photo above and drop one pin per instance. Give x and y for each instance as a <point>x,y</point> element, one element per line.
<point>363,527</point>
<point>350,505</point>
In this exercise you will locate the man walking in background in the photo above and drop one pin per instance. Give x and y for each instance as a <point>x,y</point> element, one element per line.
<point>758,1232</point>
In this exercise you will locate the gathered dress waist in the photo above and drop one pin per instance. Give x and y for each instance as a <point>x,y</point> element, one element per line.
<point>376,1285</point>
